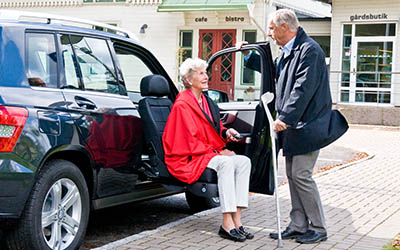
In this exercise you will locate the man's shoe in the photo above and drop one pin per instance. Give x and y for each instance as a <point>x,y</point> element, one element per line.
<point>246,234</point>
<point>311,237</point>
<point>232,235</point>
<point>287,234</point>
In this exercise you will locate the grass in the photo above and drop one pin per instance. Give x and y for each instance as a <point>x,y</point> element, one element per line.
<point>394,244</point>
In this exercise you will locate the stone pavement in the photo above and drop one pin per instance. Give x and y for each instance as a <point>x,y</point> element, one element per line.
<point>361,202</point>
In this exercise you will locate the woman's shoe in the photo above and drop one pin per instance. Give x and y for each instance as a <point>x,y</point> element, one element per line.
<point>233,234</point>
<point>246,234</point>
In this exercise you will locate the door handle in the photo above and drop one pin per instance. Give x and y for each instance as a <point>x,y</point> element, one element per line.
<point>228,117</point>
<point>85,103</point>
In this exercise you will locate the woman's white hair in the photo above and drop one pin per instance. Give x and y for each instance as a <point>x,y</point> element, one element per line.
<point>285,16</point>
<point>188,66</point>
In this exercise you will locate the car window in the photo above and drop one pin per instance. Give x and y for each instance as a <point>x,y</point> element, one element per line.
<point>229,74</point>
<point>70,69</point>
<point>133,69</point>
<point>41,60</point>
<point>95,64</point>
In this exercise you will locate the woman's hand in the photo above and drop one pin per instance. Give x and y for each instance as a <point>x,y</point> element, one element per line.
<point>230,134</point>
<point>227,152</point>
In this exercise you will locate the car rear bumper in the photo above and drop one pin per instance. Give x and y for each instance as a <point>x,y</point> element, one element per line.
<point>15,183</point>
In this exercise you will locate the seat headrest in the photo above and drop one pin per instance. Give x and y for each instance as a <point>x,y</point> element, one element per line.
<point>154,85</point>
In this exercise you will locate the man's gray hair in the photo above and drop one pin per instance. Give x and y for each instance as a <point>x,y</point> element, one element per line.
<point>188,66</point>
<point>285,16</point>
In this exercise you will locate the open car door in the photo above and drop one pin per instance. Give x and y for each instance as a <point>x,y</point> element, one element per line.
<point>245,111</point>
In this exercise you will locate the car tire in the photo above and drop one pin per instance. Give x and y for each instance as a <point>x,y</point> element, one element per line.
<point>56,212</point>
<point>198,203</point>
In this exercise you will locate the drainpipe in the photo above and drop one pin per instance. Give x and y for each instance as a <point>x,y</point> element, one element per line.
<point>250,8</point>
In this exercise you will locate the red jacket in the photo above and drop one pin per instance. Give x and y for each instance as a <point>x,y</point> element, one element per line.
<point>189,139</point>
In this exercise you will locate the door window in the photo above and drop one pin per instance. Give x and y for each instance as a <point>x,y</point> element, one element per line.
<point>241,92</point>
<point>71,76</point>
<point>133,69</point>
<point>373,78</point>
<point>95,64</point>
<point>41,60</point>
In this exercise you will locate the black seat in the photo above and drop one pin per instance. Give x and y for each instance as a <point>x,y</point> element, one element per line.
<point>154,110</point>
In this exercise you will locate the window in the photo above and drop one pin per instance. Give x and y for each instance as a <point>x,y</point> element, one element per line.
<point>325,43</point>
<point>380,29</point>
<point>133,69</point>
<point>41,60</point>
<point>94,63</point>
<point>71,77</point>
<point>346,57</point>
<point>185,45</point>
<point>248,75</point>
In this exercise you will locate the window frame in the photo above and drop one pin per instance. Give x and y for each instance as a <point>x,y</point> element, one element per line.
<point>241,83</point>
<point>182,48</point>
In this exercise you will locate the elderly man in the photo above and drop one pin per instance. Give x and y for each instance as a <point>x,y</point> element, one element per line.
<point>305,122</point>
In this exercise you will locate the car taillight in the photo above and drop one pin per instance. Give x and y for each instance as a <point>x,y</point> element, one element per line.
<point>12,121</point>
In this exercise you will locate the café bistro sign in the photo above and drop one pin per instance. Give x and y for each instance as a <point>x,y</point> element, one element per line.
<point>227,19</point>
<point>369,17</point>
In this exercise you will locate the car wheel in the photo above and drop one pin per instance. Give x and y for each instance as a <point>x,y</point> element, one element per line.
<point>57,212</point>
<point>198,203</point>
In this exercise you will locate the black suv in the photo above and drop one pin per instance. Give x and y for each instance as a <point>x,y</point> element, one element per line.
<point>71,135</point>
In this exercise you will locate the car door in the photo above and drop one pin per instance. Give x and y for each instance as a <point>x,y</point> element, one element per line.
<point>107,120</point>
<point>246,113</point>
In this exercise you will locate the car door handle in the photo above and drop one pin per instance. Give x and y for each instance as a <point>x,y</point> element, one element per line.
<point>228,117</point>
<point>85,103</point>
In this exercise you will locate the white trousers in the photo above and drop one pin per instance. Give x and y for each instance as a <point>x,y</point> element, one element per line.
<point>233,180</point>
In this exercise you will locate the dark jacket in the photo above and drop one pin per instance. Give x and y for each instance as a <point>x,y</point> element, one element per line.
<point>303,99</point>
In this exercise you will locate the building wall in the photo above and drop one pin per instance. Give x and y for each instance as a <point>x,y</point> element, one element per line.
<point>160,36</point>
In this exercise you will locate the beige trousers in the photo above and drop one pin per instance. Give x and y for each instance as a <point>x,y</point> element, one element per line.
<point>233,180</point>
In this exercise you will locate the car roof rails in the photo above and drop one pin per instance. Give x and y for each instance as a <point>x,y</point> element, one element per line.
<point>15,15</point>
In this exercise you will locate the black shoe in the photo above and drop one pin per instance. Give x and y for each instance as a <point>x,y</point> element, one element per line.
<point>246,234</point>
<point>232,235</point>
<point>287,234</point>
<point>311,237</point>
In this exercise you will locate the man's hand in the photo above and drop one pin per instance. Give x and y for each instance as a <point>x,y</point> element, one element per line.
<point>239,45</point>
<point>227,152</point>
<point>279,125</point>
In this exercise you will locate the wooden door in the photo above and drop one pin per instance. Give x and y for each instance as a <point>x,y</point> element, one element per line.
<point>222,75</point>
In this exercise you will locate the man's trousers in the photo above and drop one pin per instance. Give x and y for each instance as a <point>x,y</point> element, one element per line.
<point>307,212</point>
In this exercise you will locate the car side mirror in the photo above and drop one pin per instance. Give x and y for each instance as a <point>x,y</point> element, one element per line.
<point>217,95</point>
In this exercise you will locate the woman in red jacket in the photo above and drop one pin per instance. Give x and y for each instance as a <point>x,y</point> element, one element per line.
<point>194,138</point>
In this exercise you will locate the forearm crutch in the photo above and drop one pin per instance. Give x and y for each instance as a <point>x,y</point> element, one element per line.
<point>266,98</point>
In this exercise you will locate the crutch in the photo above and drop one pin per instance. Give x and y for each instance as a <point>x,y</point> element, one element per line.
<point>266,98</point>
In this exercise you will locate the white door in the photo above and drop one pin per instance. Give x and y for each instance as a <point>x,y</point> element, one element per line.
<point>371,70</point>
